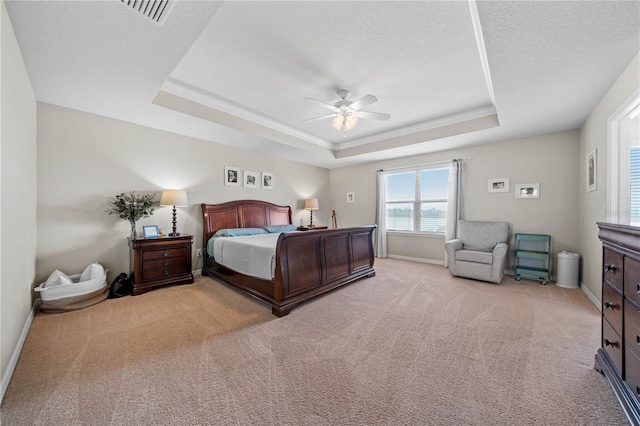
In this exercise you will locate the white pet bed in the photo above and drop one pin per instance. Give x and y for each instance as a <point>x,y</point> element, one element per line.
<point>73,295</point>
<point>70,290</point>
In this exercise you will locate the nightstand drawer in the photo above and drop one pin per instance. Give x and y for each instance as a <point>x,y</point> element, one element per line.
<point>149,255</point>
<point>164,267</point>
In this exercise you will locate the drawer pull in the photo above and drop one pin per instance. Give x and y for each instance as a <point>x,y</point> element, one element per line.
<point>638,288</point>
<point>165,254</point>
<point>608,267</point>
<point>165,272</point>
<point>638,339</point>
<point>637,390</point>
<point>165,263</point>
<point>608,305</point>
<point>608,342</point>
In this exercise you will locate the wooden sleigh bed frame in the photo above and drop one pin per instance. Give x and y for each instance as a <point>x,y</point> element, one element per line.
<point>307,263</point>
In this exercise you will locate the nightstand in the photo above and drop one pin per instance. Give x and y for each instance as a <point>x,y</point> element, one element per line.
<point>306,228</point>
<point>159,261</point>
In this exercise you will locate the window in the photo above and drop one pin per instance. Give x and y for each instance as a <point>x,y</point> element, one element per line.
<point>416,200</point>
<point>634,187</point>
<point>624,164</point>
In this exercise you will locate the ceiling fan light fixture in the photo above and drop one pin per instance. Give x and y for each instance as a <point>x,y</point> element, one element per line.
<point>344,122</point>
<point>350,122</point>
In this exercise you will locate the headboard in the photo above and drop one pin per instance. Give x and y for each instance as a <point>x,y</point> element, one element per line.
<point>242,214</point>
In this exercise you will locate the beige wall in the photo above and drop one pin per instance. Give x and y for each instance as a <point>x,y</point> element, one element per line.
<point>550,160</point>
<point>84,159</point>
<point>17,196</point>
<point>593,205</point>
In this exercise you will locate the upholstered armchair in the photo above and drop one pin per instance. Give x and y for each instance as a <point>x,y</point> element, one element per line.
<point>480,251</point>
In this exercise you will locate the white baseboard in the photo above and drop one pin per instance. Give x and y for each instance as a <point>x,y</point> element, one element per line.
<point>417,259</point>
<point>8,373</point>
<point>591,296</point>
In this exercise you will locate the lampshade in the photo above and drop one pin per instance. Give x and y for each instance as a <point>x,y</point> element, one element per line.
<point>311,204</point>
<point>173,197</point>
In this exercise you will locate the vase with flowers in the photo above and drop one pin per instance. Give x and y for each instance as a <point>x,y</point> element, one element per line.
<point>132,207</point>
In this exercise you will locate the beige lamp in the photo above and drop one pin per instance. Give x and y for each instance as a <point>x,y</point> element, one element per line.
<point>175,198</point>
<point>311,204</point>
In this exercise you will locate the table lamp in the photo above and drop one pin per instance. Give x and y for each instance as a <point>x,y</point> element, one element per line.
<point>311,204</point>
<point>175,198</point>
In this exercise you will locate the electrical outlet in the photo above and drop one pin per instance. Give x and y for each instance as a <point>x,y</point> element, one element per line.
<point>198,252</point>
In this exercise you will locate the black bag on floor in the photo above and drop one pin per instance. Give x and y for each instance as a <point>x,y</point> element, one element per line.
<point>121,286</point>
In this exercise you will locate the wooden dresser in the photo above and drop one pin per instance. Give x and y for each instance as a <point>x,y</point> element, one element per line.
<point>159,261</point>
<point>619,357</point>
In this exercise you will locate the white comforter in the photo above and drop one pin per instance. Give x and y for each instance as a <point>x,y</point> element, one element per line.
<point>253,255</point>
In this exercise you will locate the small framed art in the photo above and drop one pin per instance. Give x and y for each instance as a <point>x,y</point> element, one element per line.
<point>231,176</point>
<point>499,185</point>
<point>250,179</point>
<point>528,190</point>
<point>592,171</point>
<point>150,231</point>
<point>267,180</point>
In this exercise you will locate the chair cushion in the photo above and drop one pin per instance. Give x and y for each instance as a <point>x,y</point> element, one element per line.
<point>475,256</point>
<point>482,236</point>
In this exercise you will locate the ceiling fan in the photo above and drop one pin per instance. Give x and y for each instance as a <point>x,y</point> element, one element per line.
<point>346,113</point>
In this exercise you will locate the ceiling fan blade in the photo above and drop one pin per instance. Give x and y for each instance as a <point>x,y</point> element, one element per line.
<point>323,104</point>
<point>320,118</point>
<point>373,115</point>
<point>363,102</point>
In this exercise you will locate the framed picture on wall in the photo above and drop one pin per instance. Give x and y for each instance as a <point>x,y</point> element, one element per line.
<point>592,171</point>
<point>528,190</point>
<point>231,176</point>
<point>267,180</point>
<point>251,179</point>
<point>499,185</point>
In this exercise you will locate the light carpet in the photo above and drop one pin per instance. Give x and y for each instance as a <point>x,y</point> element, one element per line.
<point>410,346</point>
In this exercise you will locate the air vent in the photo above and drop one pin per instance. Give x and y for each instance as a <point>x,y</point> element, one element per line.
<point>156,10</point>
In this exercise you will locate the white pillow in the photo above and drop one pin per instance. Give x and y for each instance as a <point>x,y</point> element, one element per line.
<point>57,278</point>
<point>91,272</point>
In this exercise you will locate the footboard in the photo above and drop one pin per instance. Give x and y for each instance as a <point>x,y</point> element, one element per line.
<point>313,262</point>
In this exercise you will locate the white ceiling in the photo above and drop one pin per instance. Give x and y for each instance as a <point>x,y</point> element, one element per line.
<point>450,73</point>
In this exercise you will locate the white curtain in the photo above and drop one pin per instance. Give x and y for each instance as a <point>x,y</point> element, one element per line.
<point>381,215</point>
<point>454,208</point>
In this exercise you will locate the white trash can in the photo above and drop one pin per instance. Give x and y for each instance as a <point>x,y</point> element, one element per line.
<point>568,267</point>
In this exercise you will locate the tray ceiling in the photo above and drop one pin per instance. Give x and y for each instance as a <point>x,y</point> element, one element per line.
<point>450,73</point>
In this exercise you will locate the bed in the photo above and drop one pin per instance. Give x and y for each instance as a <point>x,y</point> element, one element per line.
<point>307,263</point>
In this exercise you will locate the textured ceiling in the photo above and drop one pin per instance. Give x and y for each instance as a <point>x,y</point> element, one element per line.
<point>450,73</point>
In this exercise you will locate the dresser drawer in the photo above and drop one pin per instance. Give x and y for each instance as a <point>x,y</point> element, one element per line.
<point>632,279</point>
<point>613,268</point>
<point>612,307</point>
<point>612,344</point>
<point>632,369</point>
<point>148,255</point>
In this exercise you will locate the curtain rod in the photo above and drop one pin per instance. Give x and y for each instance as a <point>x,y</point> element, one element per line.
<point>420,165</point>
